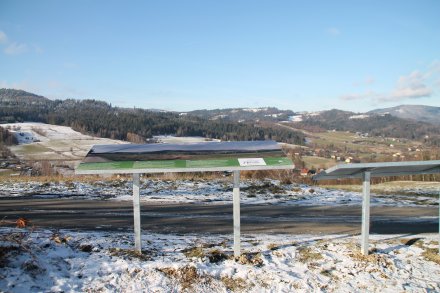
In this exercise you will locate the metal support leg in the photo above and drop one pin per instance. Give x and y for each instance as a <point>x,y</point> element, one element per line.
<point>439,222</point>
<point>365,212</point>
<point>136,214</point>
<point>236,213</point>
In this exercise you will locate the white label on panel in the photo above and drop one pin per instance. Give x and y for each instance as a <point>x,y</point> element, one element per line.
<point>252,162</point>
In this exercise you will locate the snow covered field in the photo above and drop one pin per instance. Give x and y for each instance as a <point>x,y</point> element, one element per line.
<point>66,261</point>
<point>39,141</point>
<point>213,191</point>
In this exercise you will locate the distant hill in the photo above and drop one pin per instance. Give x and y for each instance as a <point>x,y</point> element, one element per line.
<point>415,112</point>
<point>12,96</point>
<point>101,119</point>
<point>245,114</point>
<point>374,124</point>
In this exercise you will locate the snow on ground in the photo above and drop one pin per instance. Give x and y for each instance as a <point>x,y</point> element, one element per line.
<point>362,116</point>
<point>39,141</point>
<point>28,132</point>
<point>254,110</point>
<point>213,191</point>
<point>67,261</point>
<point>296,118</point>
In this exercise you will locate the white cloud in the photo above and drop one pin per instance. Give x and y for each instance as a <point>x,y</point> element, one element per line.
<point>333,31</point>
<point>3,38</point>
<point>416,85</point>
<point>409,87</point>
<point>15,48</point>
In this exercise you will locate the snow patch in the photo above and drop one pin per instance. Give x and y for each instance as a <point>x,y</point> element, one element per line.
<point>255,110</point>
<point>216,191</point>
<point>67,261</point>
<point>361,116</point>
<point>296,118</point>
<point>29,132</point>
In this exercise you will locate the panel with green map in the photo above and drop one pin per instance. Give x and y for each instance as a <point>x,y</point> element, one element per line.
<point>223,156</point>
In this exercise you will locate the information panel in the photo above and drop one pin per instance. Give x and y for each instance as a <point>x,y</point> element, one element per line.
<point>208,156</point>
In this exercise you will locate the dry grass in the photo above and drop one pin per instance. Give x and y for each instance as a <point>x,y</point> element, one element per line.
<point>380,260</point>
<point>187,276</point>
<point>250,258</point>
<point>318,162</point>
<point>389,187</point>
<point>5,173</point>
<point>431,254</point>
<point>306,255</point>
<point>196,252</point>
<point>371,257</point>
<point>234,285</point>
<point>273,246</point>
<point>131,254</point>
<point>112,178</point>
<point>213,256</point>
<point>64,179</point>
<point>266,187</point>
<point>413,241</point>
<point>216,256</point>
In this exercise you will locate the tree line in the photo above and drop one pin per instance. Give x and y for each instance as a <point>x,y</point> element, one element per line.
<point>6,139</point>
<point>101,119</point>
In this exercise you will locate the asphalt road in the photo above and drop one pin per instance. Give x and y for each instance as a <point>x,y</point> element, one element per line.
<point>79,214</point>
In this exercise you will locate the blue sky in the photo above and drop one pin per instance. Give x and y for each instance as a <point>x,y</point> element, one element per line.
<point>184,55</point>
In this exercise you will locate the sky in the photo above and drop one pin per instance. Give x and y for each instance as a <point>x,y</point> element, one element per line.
<point>187,55</point>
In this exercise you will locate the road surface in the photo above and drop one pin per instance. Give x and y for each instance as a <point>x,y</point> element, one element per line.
<point>80,214</point>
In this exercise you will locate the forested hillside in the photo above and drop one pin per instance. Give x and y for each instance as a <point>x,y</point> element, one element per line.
<point>375,125</point>
<point>104,120</point>
<point>12,96</point>
<point>422,113</point>
<point>245,114</point>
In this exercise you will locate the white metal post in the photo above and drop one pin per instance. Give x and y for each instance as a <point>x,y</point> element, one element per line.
<point>236,213</point>
<point>136,214</point>
<point>366,176</point>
